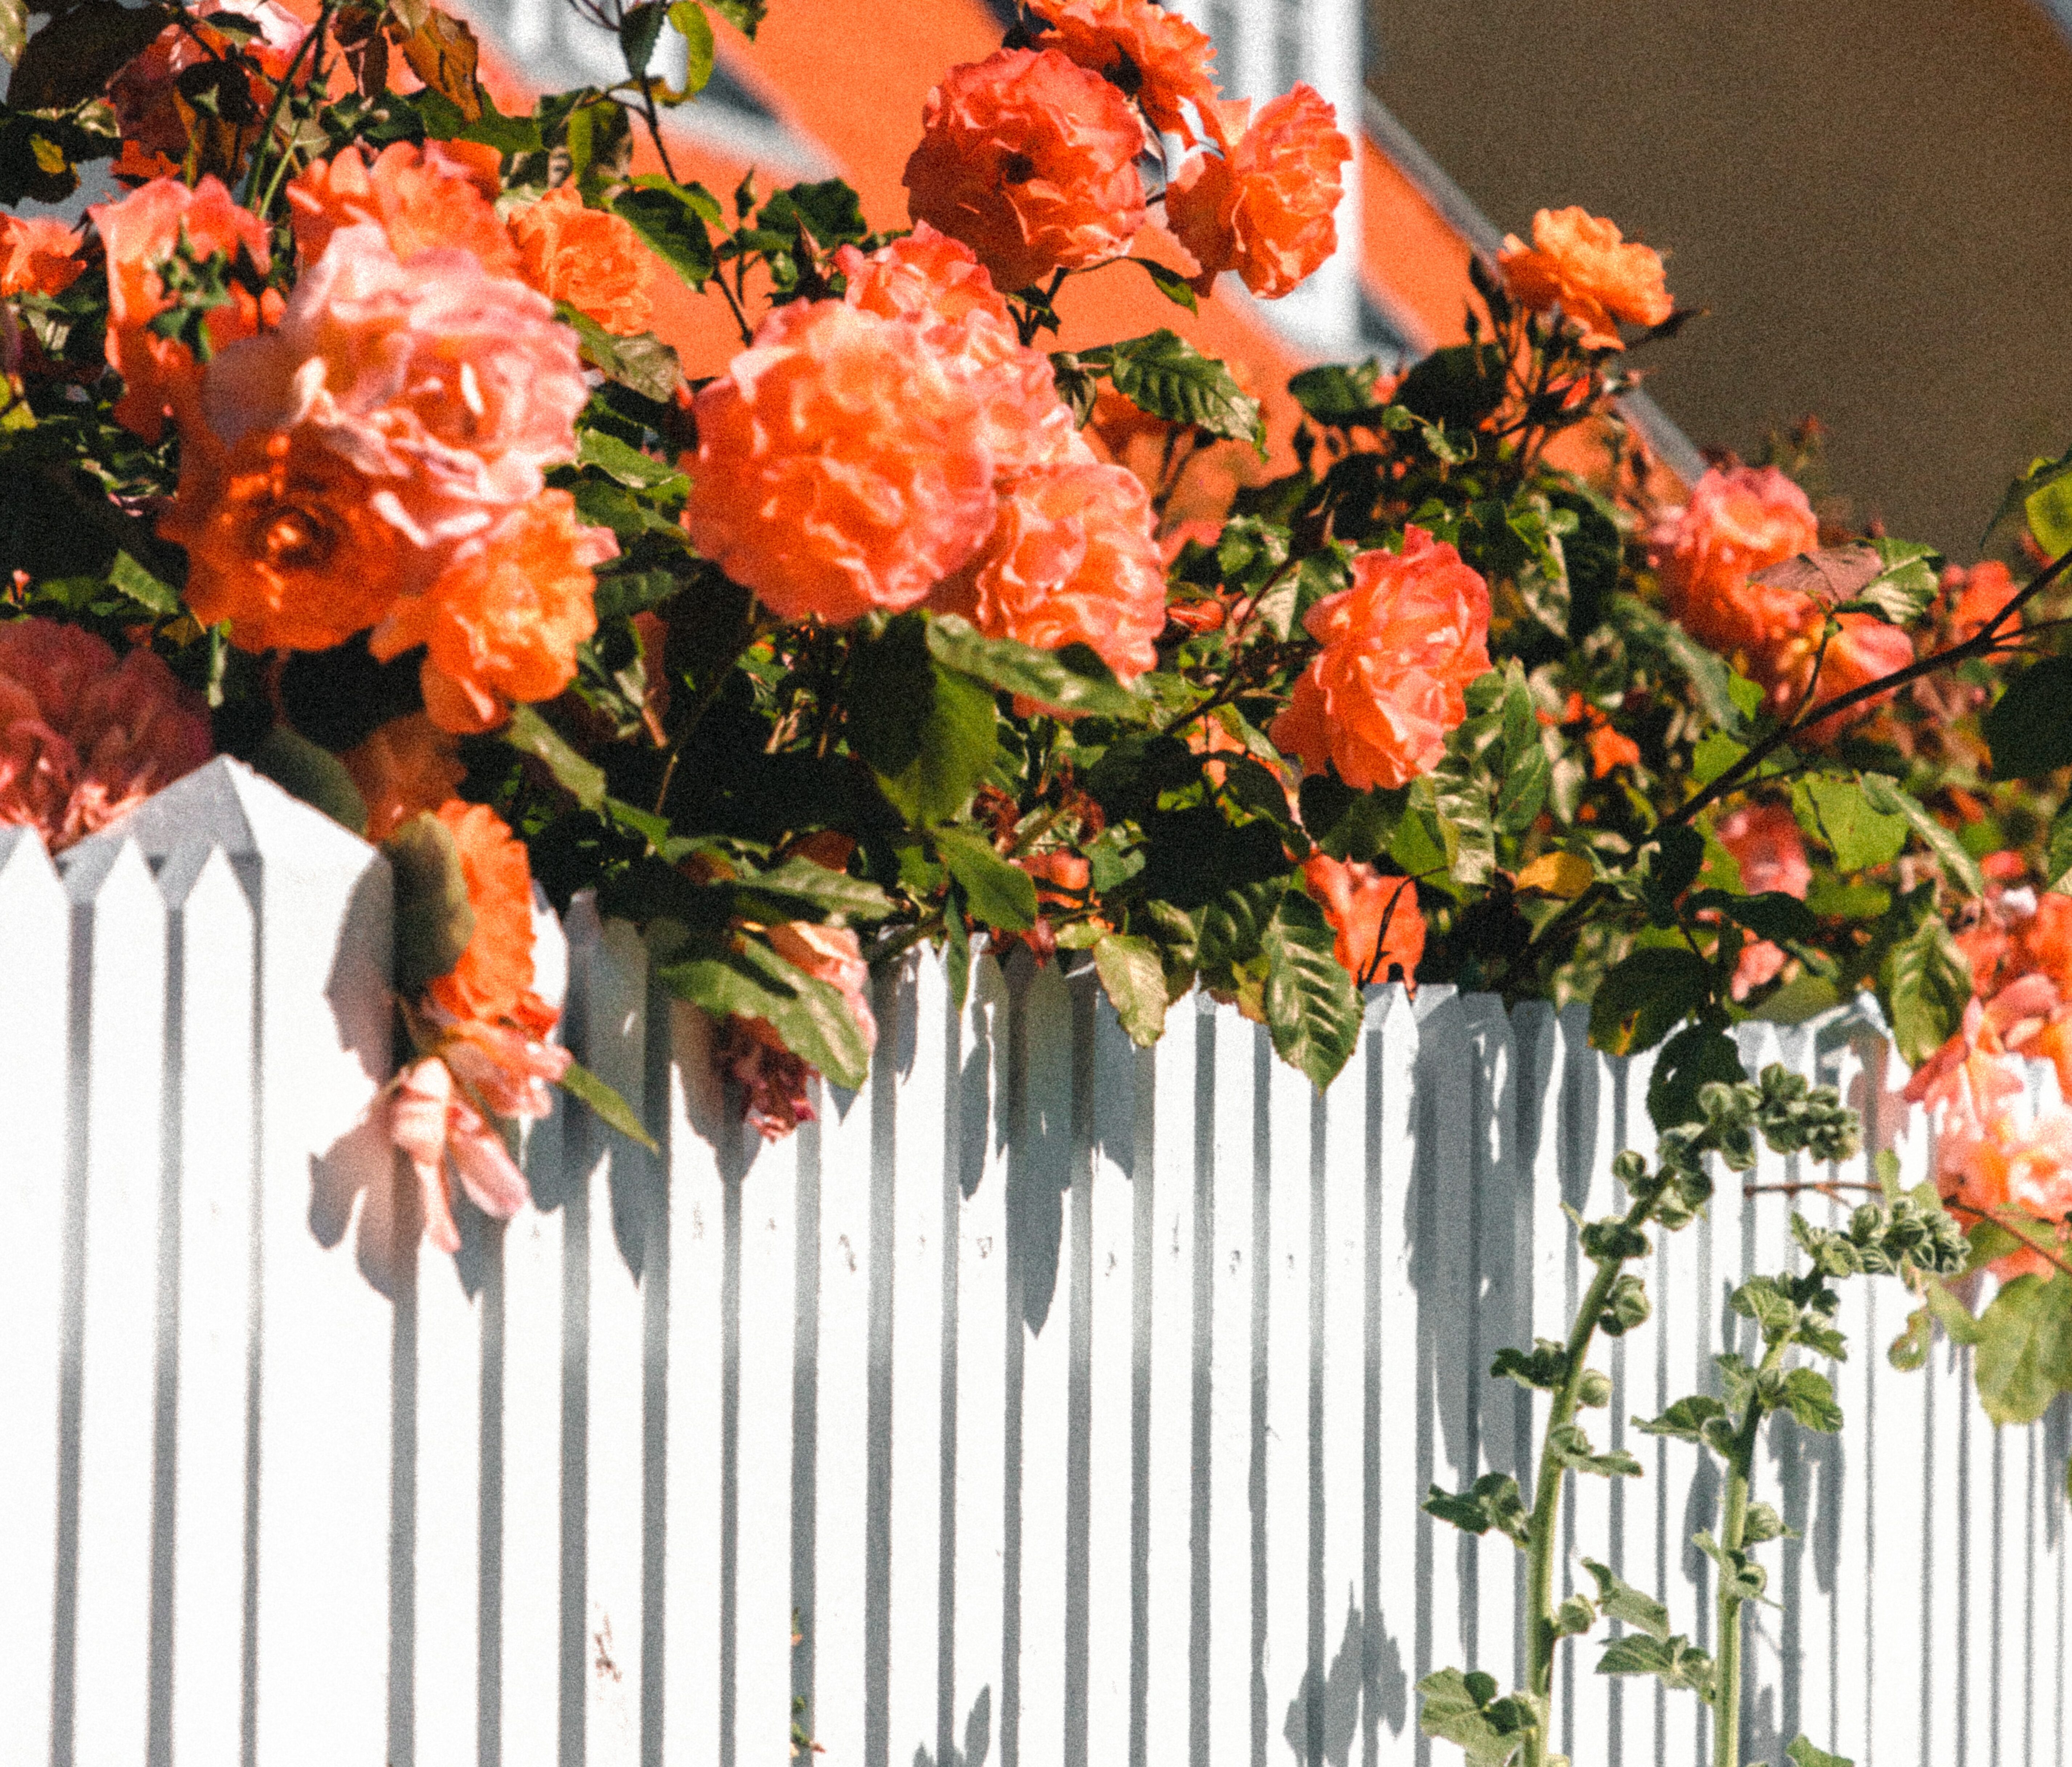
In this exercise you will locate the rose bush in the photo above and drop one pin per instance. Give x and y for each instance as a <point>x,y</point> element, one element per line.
<point>339,442</point>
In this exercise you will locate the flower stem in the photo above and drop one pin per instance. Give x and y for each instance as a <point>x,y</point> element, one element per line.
<point>1733,1536</point>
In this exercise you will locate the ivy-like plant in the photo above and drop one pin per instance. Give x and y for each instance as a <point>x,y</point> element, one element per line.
<point>1905,1233</point>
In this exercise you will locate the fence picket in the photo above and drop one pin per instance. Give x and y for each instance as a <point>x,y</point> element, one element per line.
<point>1079,1399</point>
<point>35,958</point>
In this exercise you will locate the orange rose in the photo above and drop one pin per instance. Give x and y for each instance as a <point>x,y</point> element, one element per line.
<point>1580,264</point>
<point>939,284</point>
<point>284,541</point>
<point>408,766</point>
<point>592,260</point>
<point>1155,55</point>
<point>840,465</point>
<point>1863,650</point>
<point>1264,208</point>
<point>453,388</point>
<point>437,196</point>
<point>503,622</point>
<point>1738,522</point>
<point>492,982</point>
<point>2015,1169</point>
<point>1764,843</point>
<point>1030,160</point>
<point>1380,929</point>
<point>1072,559</point>
<point>39,255</point>
<point>141,233</point>
<point>1972,597</point>
<point>85,737</point>
<point>1399,646</point>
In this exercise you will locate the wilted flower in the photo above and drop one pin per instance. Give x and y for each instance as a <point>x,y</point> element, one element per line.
<point>776,1082</point>
<point>840,465</point>
<point>1264,207</point>
<point>1030,160</point>
<point>1583,265</point>
<point>431,1121</point>
<point>1400,646</point>
<point>85,737</point>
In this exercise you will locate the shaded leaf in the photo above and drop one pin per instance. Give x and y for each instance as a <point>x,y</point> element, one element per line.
<point>2038,503</point>
<point>929,733</point>
<point>530,734</point>
<point>1000,894</point>
<point>605,1103</point>
<point>1168,377</point>
<point>673,227</point>
<point>1678,1661</point>
<point>753,981</point>
<point>1338,393</point>
<point>1645,996</point>
<point>1493,1501</point>
<point>1802,1753</point>
<point>300,768</point>
<point>1572,1448</point>
<point>1685,1420</point>
<point>1836,810</point>
<point>1073,679</point>
<point>79,51</point>
<point>800,890</point>
<point>744,15</point>
<point>433,922</point>
<point>2026,727</point>
<point>443,53</point>
<point>1175,287</point>
<point>1892,580</point>
<point>643,361</point>
<point>1695,1058</point>
<point>688,20</point>
<point>1621,1601</point>
<point>1885,797</point>
<point>639,30</point>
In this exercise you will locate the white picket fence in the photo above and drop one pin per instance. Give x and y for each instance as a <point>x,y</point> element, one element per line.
<point>1077,1400</point>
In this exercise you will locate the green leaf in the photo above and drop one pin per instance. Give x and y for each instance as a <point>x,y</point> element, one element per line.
<point>1134,976</point>
<point>1884,796</point>
<point>433,922</point>
<point>1574,1616</point>
<point>639,30</point>
<point>79,51</point>
<point>1769,915</point>
<point>800,890</point>
<point>1762,1523</point>
<point>623,462</point>
<point>530,734</point>
<point>300,768</point>
<point>1168,377</point>
<point>642,362</point>
<point>1338,393</point>
<point>1685,1420</point>
<point>1621,1601</point>
<point>1543,1368</point>
<point>811,1015</point>
<point>1493,1503</point>
<point>670,224</point>
<point>2025,1347</point>
<point>1810,1397</point>
<point>2026,727</point>
<point>688,18</point>
<point>1678,1661</point>
<point>1645,996</point>
<point>744,15</point>
<point>1001,895</point>
<point>1710,678</point>
<point>605,1103</point>
<point>1458,386</point>
<point>830,210</point>
<point>1071,680</point>
<point>1906,583</point>
<point>1696,1056</point>
<point>929,733</point>
<point>1927,985</point>
<point>1713,756</point>
<point>142,588</point>
<point>1458,1709</point>
<point>1802,1753</point>
<point>1835,810</point>
<point>1175,287</point>
<point>1312,1008</point>
<point>2038,503</point>
<point>1572,1448</point>
<point>2058,850</point>
<point>1625,1307</point>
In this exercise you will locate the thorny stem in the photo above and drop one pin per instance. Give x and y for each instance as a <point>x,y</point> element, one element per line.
<point>1544,1528</point>
<point>282,89</point>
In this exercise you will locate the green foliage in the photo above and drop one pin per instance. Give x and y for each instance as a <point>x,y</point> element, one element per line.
<point>1463,1709</point>
<point>433,922</point>
<point>1169,377</point>
<point>1928,983</point>
<point>2025,1347</point>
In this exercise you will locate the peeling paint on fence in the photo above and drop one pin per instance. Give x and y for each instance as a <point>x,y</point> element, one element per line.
<point>1076,1399</point>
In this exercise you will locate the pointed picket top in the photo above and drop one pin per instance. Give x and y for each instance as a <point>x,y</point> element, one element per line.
<point>26,871</point>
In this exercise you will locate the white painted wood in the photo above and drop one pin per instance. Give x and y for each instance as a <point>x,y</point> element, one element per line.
<point>1103,1384</point>
<point>1232,1288</point>
<point>1039,1232</point>
<point>34,951</point>
<point>214,929</point>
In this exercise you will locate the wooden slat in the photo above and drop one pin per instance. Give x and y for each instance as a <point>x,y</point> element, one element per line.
<point>35,958</point>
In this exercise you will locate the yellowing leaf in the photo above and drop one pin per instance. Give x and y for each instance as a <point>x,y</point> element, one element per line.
<point>1564,875</point>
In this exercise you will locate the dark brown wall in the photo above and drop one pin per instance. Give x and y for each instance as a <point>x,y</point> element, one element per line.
<point>1873,197</point>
